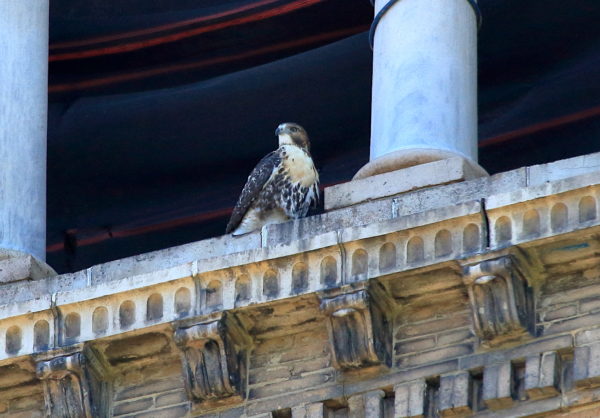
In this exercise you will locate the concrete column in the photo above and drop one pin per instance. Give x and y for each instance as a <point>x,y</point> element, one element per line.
<point>23,120</point>
<point>424,103</point>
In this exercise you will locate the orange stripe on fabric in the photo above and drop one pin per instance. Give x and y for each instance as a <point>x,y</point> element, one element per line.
<point>132,46</point>
<point>98,82</point>
<point>161,28</point>
<point>542,126</point>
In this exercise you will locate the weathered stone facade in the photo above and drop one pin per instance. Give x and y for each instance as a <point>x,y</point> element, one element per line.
<point>478,297</point>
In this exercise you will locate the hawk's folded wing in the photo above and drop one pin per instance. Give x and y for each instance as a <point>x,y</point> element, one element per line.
<point>256,181</point>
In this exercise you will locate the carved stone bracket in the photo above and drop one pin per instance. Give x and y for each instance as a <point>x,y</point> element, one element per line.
<point>77,382</point>
<point>16,266</point>
<point>497,385</point>
<point>214,359</point>
<point>410,399</point>
<point>501,299</point>
<point>542,375</point>
<point>312,410</point>
<point>358,325</point>
<point>66,388</point>
<point>455,394</point>
<point>368,404</point>
<point>587,369</point>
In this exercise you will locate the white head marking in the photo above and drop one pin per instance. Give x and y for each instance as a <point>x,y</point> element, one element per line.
<point>285,139</point>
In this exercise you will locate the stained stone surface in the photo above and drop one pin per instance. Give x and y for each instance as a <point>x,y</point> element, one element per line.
<point>392,281</point>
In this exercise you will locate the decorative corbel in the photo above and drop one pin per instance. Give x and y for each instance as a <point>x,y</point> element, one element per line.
<point>501,299</point>
<point>66,389</point>
<point>358,326</point>
<point>214,359</point>
<point>542,375</point>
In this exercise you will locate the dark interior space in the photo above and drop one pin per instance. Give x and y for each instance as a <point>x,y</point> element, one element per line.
<point>158,110</point>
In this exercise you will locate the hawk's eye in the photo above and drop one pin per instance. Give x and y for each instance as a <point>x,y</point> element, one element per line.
<point>294,129</point>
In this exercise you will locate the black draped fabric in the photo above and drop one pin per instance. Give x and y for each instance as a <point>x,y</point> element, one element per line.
<point>160,109</point>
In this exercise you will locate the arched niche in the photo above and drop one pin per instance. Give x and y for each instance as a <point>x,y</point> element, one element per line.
<point>531,223</point>
<point>127,314</point>
<point>587,209</point>
<point>415,251</point>
<point>242,289</point>
<point>183,301</point>
<point>471,238</point>
<point>72,325</point>
<point>443,243</point>
<point>559,216</point>
<point>503,230</point>
<point>100,320</point>
<point>360,265</point>
<point>299,278</point>
<point>270,284</point>
<point>154,307</point>
<point>41,335</point>
<point>387,257</point>
<point>214,294</point>
<point>14,339</point>
<point>328,272</point>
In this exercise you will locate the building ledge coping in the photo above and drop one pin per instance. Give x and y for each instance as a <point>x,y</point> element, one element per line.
<point>195,266</point>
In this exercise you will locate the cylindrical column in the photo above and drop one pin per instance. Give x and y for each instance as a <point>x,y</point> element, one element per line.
<point>424,104</point>
<point>23,120</point>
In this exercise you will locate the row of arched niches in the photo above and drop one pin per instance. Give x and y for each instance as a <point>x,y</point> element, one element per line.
<point>405,249</point>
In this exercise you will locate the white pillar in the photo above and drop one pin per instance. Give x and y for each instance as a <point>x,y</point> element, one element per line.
<point>424,103</point>
<point>23,120</point>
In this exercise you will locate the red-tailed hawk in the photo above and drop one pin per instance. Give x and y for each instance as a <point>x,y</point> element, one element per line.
<point>281,187</point>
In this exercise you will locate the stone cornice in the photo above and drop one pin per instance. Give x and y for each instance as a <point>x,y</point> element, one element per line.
<point>156,288</point>
<point>410,298</point>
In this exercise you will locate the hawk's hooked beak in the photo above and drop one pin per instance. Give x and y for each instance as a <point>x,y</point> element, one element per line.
<point>279,130</point>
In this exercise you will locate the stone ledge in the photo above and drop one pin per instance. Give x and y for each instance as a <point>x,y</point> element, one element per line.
<point>58,311</point>
<point>408,203</point>
<point>94,282</point>
<point>435,173</point>
<point>227,267</point>
<point>439,234</point>
<point>428,198</point>
<point>542,189</point>
<point>16,266</point>
<point>320,230</point>
<point>330,384</point>
<point>557,170</point>
<point>106,278</point>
